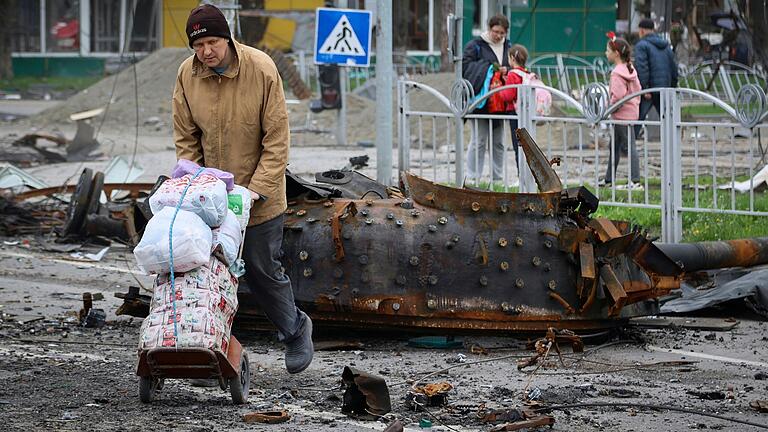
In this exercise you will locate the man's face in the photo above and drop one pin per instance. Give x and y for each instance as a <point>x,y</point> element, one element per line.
<point>498,33</point>
<point>643,32</point>
<point>211,50</point>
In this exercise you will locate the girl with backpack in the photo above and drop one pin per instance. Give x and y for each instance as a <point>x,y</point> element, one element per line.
<point>624,81</point>
<point>518,56</point>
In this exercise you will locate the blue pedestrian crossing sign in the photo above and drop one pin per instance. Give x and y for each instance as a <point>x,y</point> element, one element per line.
<point>343,37</point>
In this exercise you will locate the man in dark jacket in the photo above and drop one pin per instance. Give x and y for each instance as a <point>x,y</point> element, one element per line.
<point>492,47</point>
<point>656,67</point>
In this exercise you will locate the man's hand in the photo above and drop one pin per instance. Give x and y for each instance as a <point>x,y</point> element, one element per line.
<point>647,96</point>
<point>254,196</point>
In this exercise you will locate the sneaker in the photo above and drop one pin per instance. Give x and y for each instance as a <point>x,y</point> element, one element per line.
<point>299,350</point>
<point>602,182</point>
<point>633,186</point>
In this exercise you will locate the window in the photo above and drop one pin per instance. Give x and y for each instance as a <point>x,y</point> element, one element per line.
<point>105,26</point>
<point>62,19</point>
<point>417,24</point>
<point>145,29</point>
<point>25,36</point>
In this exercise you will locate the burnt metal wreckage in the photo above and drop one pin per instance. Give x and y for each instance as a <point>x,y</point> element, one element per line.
<point>429,256</point>
<point>432,257</point>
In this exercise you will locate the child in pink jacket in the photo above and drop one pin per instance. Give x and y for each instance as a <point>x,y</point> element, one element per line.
<point>624,82</point>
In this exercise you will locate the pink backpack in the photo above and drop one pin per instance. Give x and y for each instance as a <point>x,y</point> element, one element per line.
<point>543,97</point>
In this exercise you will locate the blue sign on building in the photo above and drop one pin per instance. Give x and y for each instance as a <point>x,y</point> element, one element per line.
<point>343,37</point>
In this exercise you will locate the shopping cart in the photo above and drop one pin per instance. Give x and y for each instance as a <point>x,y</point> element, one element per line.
<point>158,364</point>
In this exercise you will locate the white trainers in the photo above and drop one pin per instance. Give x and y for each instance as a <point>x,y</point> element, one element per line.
<point>633,186</point>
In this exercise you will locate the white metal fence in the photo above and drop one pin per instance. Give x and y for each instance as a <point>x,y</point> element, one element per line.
<point>690,167</point>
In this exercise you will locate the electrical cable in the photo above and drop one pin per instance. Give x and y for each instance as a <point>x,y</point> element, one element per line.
<point>649,406</point>
<point>369,191</point>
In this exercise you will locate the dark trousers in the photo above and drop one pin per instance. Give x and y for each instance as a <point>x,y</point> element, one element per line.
<point>267,281</point>
<point>645,108</point>
<point>623,141</point>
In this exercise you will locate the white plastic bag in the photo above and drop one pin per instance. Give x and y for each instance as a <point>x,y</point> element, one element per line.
<point>229,236</point>
<point>192,240</point>
<point>206,197</point>
<point>239,201</point>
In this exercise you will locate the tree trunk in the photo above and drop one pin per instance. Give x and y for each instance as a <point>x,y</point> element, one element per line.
<point>7,19</point>
<point>445,10</point>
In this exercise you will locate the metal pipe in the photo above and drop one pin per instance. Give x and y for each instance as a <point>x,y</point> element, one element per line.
<point>718,254</point>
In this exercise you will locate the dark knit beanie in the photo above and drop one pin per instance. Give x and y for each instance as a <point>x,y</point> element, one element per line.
<point>207,20</point>
<point>646,23</point>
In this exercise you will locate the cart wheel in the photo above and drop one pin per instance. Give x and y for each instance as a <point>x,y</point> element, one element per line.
<point>147,388</point>
<point>239,385</point>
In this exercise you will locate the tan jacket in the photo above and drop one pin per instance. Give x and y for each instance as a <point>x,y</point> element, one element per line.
<point>236,122</point>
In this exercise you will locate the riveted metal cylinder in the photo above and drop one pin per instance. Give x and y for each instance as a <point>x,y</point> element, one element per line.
<point>552,285</point>
<point>503,242</point>
<point>432,228</point>
<point>483,280</point>
<point>415,213</point>
<point>407,204</point>
<point>364,212</point>
<point>547,243</point>
<point>519,283</point>
<point>390,216</point>
<point>504,266</point>
<point>368,221</point>
<point>413,260</point>
<point>289,211</point>
<point>395,306</point>
<point>547,267</point>
<point>311,220</point>
<point>301,213</point>
<point>307,272</point>
<point>369,202</point>
<point>432,304</point>
<point>363,259</point>
<point>442,220</point>
<point>399,223</point>
<point>303,255</point>
<point>519,241</point>
<point>455,238</point>
<point>536,261</point>
<point>475,206</point>
<point>505,306</point>
<point>328,204</point>
<point>432,279</point>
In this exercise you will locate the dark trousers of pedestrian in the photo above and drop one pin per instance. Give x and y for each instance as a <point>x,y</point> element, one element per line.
<point>645,108</point>
<point>264,274</point>
<point>515,142</point>
<point>623,139</point>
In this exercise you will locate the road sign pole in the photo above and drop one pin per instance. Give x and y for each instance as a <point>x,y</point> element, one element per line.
<point>341,123</point>
<point>384,73</point>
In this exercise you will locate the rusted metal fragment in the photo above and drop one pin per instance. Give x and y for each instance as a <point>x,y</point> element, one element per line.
<point>534,422</point>
<point>605,229</point>
<point>568,308</point>
<point>461,200</point>
<point>366,395</point>
<point>267,417</point>
<point>546,177</point>
<point>341,210</point>
<point>615,289</point>
<point>588,273</point>
<point>718,254</point>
